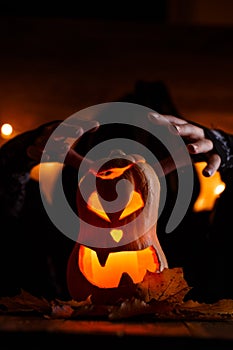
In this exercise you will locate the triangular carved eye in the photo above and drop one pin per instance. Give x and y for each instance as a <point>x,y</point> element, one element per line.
<point>135,203</point>
<point>94,205</point>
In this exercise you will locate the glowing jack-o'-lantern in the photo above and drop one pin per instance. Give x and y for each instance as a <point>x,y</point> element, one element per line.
<point>116,246</point>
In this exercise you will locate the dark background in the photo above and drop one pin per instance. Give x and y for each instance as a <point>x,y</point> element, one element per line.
<point>59,57</point>
<point>77,9</point>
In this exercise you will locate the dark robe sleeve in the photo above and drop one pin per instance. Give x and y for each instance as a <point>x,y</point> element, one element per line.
<point>223,144</point>
<point>15,166</point>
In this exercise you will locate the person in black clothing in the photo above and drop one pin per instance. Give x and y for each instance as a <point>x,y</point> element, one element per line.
<point>34,255</point>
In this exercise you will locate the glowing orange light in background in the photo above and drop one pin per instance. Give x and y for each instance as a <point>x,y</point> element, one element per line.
<point>6,130</point>
<point>113,173</point>
<point>210,189</point>
<point>135,203</point>
<point>50,172</point>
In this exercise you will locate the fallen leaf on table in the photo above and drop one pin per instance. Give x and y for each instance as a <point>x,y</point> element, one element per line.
<point>222,309</point>
<point>160,296</point>
<point>24,302</point>
<point>168,285</point>
<point>66,309</point>
<point>61,311</point>
<point>157,310</point>
<point>136,308</point>
<point>74,303</point>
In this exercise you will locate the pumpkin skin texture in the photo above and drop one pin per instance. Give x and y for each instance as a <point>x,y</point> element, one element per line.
<point>115,248</point>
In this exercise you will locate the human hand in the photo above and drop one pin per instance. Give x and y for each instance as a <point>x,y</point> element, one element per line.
<point>195,139</point>
<point>59,145</point>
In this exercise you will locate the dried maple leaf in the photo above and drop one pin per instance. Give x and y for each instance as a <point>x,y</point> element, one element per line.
<point>61,311</point>
<point>160,296</point>
<point>66,309</point>
<point>79,309</point>
<point>222,309</point>
<point>73,303</point>
<point>129,308</point>
<point>163,310</point>
<point>24,302</point>
<point>168,285</point>
<point>136,308</point>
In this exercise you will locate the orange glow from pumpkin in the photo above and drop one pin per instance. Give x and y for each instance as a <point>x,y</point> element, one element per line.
<point>134,263</point>
<point>113,172</point>
<point>94,205</point>
<point>135,202</point>
<point>50,172</point>
<point>210,189</point>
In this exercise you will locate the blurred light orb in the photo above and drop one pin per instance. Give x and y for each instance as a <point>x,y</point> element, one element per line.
<point>6,129</point>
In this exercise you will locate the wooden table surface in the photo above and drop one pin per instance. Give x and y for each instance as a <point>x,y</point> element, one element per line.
<point>35,332</point>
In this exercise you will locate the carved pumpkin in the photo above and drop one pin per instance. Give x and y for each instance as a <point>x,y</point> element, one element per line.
<point>116,245</point>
